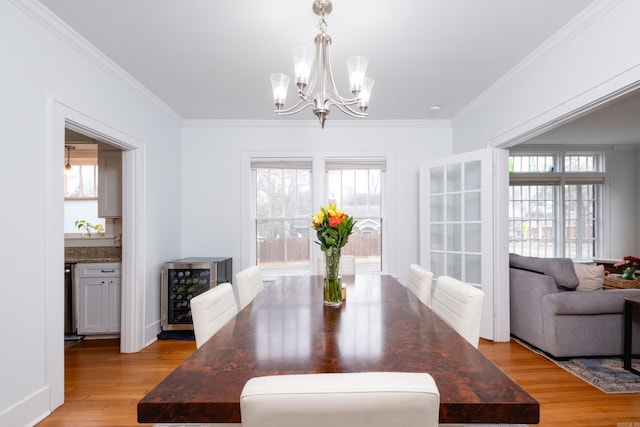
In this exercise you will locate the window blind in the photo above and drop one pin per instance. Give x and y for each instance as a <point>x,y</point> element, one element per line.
<point>342,163</point>
<point>281,163</point>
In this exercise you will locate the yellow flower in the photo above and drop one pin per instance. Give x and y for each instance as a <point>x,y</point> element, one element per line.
<point>317,218</point>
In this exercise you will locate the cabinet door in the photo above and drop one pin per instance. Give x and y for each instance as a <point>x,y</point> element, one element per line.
<point>110,184</point>
<point>114,291</point>
<point>92,306</point>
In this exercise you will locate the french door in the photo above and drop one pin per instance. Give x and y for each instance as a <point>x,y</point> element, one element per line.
<point>463,222</point>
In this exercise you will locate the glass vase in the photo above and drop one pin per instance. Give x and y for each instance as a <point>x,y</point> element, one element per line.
<point>629,273</point>
<point>332,281</point>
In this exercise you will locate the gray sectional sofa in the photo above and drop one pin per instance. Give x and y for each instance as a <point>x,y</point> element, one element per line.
<point>548,313</point>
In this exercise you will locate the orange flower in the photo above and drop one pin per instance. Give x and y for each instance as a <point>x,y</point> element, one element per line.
<point>335,220</point>
<point>333,227</point>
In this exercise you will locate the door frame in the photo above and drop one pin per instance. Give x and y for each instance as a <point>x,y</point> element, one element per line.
<point>60,117</point>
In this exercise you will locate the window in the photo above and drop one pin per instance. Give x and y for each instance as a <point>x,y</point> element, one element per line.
<point>285,196</point>
<point>81,188</point>
<point>355,185</point>
<point>282,215</point>
<point>554,204</point>
<point>81,182</point>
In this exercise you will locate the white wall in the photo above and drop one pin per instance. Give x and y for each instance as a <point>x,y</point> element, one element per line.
<point>212,190</point>
<point>635,222</point>
<point>39,70</point>
<point>623,181</point>
<point>592,60</point>
<point>595,56</point>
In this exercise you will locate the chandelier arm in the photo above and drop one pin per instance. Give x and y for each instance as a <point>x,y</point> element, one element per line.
<point>324,41</point>
<point>311,87</point>
<point>332,84</point>
<point>346,109</point>
<point>345,102</point>
<point>328,72</point>
<point>295,109</point>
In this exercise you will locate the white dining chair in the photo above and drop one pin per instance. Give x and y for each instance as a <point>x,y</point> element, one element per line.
<point>347,265</point>
<point>211,310</point>
<point>249,284</point>
<point>419,281</point>
<point>361,399</point>
<point>459,304</point>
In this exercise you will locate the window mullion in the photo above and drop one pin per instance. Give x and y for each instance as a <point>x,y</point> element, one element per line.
<point>561,220</point>
<point>579,222</point>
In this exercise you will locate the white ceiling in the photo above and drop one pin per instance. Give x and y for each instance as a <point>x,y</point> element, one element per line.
<point>209,59</point>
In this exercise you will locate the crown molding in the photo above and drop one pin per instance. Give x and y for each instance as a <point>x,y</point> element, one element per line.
<point>297,124</point>
<point>52,23</point>
<point>594,12</point>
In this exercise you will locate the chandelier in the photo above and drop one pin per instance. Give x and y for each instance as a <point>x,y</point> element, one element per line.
<point>314,78</point>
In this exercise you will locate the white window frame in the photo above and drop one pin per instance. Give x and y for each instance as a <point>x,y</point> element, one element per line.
<point>318,185</point>
<point>559,178</point>
<point>355,163</point>
<point>83,157</point>
<point>292,163</point>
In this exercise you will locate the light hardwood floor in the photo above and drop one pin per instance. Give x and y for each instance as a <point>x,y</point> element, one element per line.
<point>102,386</point>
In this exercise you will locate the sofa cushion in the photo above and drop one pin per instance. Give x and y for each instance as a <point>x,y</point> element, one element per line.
<point>585,304</point>
<point>590,276</point>
<point>561,269</point>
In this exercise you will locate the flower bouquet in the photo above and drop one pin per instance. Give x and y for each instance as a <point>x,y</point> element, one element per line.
<point>632,264</point>
<point>333,228</point>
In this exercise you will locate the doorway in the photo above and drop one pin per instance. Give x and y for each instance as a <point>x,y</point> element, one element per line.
<point>132,336</point>
<point>93,234</point>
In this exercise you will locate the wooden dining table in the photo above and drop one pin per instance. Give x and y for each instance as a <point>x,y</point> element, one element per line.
<point>380,326</point>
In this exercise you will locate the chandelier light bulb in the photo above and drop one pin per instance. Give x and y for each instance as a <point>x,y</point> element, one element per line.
<point>357,68</point>
<point>365,93</point>
<point>302,65</point>
<point>279,85</point>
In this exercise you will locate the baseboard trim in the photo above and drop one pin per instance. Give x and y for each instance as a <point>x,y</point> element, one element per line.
<point>151,333</point>
<point>29,411</point>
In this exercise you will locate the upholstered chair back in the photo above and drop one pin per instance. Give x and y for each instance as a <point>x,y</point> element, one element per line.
<point>419,282</point>
<point>211,310</point>
<point>362,399</point>
<point>347,265</point>
<point>249,284</point>
<point>460,305</point>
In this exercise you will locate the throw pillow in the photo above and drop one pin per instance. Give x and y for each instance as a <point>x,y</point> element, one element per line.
<point>561,269</point>
<point>590,276</point>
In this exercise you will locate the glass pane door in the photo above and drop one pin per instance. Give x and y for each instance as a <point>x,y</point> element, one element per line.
<point>459,235</point>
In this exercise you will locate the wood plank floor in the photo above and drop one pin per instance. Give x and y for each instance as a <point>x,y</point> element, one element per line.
<point>102,386</point>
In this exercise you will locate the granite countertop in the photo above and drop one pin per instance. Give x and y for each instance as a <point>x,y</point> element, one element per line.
<point>71,260</point>
<point>92,254</point>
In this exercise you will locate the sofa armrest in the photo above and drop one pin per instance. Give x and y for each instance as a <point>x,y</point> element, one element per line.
<point>527,285</point>
<point>526,291</point>
<point>586,303</point>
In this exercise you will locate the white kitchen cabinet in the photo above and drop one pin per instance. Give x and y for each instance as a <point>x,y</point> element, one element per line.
<point>98,298</point>
<point>109,183</point>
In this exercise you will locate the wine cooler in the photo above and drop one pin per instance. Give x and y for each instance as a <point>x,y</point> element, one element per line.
<point>182,280</point>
